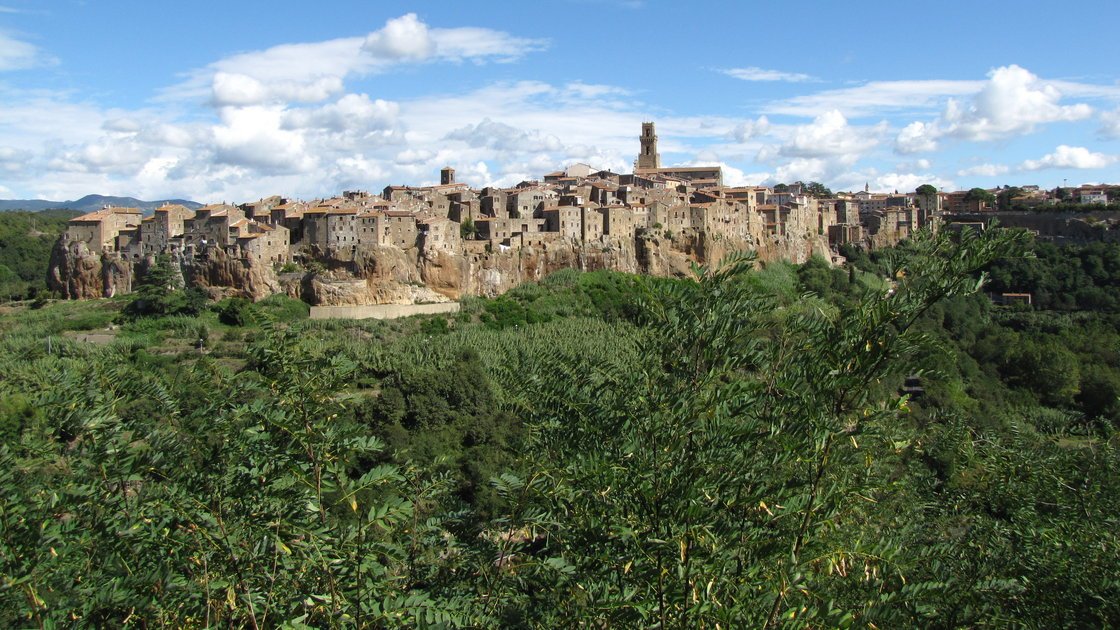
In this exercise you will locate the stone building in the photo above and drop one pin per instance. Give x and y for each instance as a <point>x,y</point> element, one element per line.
<point>401,228</point>
<point>211,226</point>
<point>99,230</point>
<point>648,157</point>
<point>158,231</point>
<point>439,234</point>
<point>264,243</point>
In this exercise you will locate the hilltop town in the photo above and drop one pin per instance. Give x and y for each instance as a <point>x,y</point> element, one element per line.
<point>430,243</point>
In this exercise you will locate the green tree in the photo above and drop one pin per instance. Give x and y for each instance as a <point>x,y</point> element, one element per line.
<point>1005,196</point>
<point>159,292</point>
<point>981,195</point>
<point>467,229</point>
<point>926,190</point>
<point>818,190</point>
<point>704,484</point>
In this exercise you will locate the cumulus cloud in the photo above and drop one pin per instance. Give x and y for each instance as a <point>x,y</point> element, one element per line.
<point>830,135</point>
<point>109,157</point>
<point>985,170</point>
<point>403,38</point>
<point>16,54</point>
<point>1070,157</point>
<point>241,89</point>
<point>917,137</point>
<point>807,170</point>
<point>315,71</point>
<point>353,112</point>
<point>887,182</point>
<point>1012,102</point>
<point>503,137</point>
<point>750,129</point>
<point>907,182</point>
<point>753,73</point>
<point>254,137</point>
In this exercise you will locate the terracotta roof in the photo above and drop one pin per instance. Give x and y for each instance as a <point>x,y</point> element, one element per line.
<point>100,215</point>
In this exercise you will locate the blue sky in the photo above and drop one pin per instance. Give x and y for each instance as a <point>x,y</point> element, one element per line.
<point>232,101</point>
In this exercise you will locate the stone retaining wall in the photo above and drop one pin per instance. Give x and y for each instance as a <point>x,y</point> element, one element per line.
<point>381,311</point>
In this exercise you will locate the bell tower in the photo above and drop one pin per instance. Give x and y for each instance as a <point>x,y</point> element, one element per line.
<point>649,157</point>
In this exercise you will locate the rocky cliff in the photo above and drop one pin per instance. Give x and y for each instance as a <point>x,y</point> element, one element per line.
<point>77,273</point>
<point>390,275</point>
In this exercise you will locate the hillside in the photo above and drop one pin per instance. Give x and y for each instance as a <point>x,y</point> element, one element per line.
<point>26,239</point>
<point>89,203</point>
<point>596,449</point>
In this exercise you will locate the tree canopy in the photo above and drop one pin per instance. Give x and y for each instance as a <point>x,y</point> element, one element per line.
<point>759,445</point>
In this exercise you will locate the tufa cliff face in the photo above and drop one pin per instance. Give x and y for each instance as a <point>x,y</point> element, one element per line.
<point>390,275</point>
<point>221,275</point>
<point>78,273</point>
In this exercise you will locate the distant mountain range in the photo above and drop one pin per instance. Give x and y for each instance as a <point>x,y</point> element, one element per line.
<point>89,203</point>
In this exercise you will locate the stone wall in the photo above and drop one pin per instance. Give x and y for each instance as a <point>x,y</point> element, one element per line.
<point>381,311</point>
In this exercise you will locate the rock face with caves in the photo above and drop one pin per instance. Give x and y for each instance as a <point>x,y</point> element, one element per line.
<point>76,273</point>
<point>390,275</point>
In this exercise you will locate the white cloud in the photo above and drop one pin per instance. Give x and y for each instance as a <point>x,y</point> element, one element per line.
<point>984,170</point>
<point>806,170</point>
<point>908,182</point>
<point>240,89</point>
<point>1012,102</point>
<point>16,54</point>
<point>917,137</point>
<point>1070,157</point>
<point>403,38</point>
<point>474,43</point>
<point>875,97</point>
<point>253,137</point>
<point>1110,124</point>
<point>503,137</point>
<point>115,158</point>
<point>353,112</point>
<point>747,130</point>
<point>830,135</point>
<point>589,90</point>
<point>754,73</point>
<point>316,71</point>
<point>903,182</point>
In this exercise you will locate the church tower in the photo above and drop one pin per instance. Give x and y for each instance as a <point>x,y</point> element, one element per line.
<point>649,157</point>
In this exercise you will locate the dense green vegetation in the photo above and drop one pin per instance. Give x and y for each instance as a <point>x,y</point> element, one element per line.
<point>26,239</point>
<point>595,449</point>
